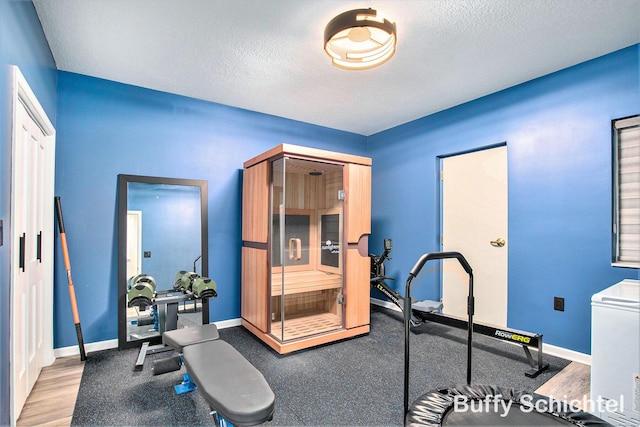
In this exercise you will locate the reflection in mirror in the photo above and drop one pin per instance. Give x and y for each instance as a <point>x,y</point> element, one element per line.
<point>167,219</point>
<point>162,256</point>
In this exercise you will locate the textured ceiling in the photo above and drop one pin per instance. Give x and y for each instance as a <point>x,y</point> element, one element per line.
<point>267,56</point>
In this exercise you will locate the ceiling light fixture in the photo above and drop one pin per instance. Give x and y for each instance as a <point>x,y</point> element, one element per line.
<point>360,39</point>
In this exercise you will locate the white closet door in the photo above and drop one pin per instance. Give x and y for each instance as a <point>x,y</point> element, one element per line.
<point>31,329</point>
<point>28,322</point>
<point>35,207</point>
<point>21,312</point>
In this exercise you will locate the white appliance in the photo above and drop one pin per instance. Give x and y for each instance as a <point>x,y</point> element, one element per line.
<point>615,354</point>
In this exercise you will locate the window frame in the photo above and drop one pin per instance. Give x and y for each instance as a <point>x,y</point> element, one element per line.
<point>617,127</point>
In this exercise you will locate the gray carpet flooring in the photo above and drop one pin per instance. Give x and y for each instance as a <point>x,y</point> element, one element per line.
<point>353,382</point>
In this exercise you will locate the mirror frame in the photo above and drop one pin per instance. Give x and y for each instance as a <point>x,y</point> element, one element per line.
<point>123,181</point>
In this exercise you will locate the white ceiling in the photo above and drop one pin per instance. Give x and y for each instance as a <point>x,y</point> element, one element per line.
<point>267,55</point>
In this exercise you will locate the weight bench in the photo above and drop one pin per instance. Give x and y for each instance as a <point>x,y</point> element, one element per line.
<point>235,390</point>
<point>178,339</point>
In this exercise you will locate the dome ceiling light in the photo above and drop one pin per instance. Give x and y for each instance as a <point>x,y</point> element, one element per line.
<point>360,39</point>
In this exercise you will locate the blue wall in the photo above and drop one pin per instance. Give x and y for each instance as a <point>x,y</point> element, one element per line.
<point>107,128</point>
<point>171,229</point>
<point>22,43</point>
<point>558,134</point>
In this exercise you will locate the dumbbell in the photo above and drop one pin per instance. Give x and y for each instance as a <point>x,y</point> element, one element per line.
<point>203,287</point>
<point>183,280</point>
<point>141,291</point>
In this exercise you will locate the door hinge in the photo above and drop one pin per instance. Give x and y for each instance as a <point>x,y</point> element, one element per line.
<point>340,299</point>
<point>441,175</point>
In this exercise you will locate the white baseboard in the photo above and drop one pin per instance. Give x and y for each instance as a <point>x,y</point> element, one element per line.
<point>109,344</point>
<point>549,349</point>
<point>88,348</point>
<point>565,353</point>
<point>223,324</point>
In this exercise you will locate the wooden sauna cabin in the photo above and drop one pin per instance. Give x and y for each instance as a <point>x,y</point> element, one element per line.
<point>306,219</point>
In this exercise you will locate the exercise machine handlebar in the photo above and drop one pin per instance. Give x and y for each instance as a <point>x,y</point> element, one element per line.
<point>385,255</point>
<point>407,312</point>
<point>194,262</point>
<point>440,255</point>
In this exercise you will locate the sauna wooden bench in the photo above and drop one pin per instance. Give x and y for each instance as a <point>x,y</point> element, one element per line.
<point>298,282</point>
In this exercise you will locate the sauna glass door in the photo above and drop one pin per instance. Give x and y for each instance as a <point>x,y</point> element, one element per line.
<point>307,248</point>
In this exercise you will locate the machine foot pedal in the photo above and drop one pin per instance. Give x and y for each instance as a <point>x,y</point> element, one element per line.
<point>426,306</point>
<point>170,364</point>
<point>186,386</point>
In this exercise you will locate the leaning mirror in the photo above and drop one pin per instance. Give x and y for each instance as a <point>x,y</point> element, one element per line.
<point>162,257</point>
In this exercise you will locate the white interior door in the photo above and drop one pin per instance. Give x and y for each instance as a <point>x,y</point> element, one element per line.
<point>32,243</point>
<point>474,223</point>
<point>134,243</point>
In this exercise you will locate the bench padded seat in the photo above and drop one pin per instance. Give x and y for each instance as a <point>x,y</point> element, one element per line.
<point>178,339</point>
<point>229,383</point>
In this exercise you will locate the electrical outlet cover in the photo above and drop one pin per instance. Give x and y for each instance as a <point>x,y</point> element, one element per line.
<point>558,303</point>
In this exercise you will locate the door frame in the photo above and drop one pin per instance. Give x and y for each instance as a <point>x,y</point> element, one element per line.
<point>440,205</point>
<point>22,93</point>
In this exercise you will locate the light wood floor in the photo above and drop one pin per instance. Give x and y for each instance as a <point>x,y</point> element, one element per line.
<point>571,385</point>
<point>53,398</point>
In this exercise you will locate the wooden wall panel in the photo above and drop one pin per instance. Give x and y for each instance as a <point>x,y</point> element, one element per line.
<point>357,289</point>
<point>308,153</point>
<point>332,184</point>
<point>255,203</point>
<point>301,191</point>
<point>358,204</point>
<point>254,287</point>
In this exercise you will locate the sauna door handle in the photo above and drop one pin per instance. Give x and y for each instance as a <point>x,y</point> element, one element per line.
<point>297,253</point>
